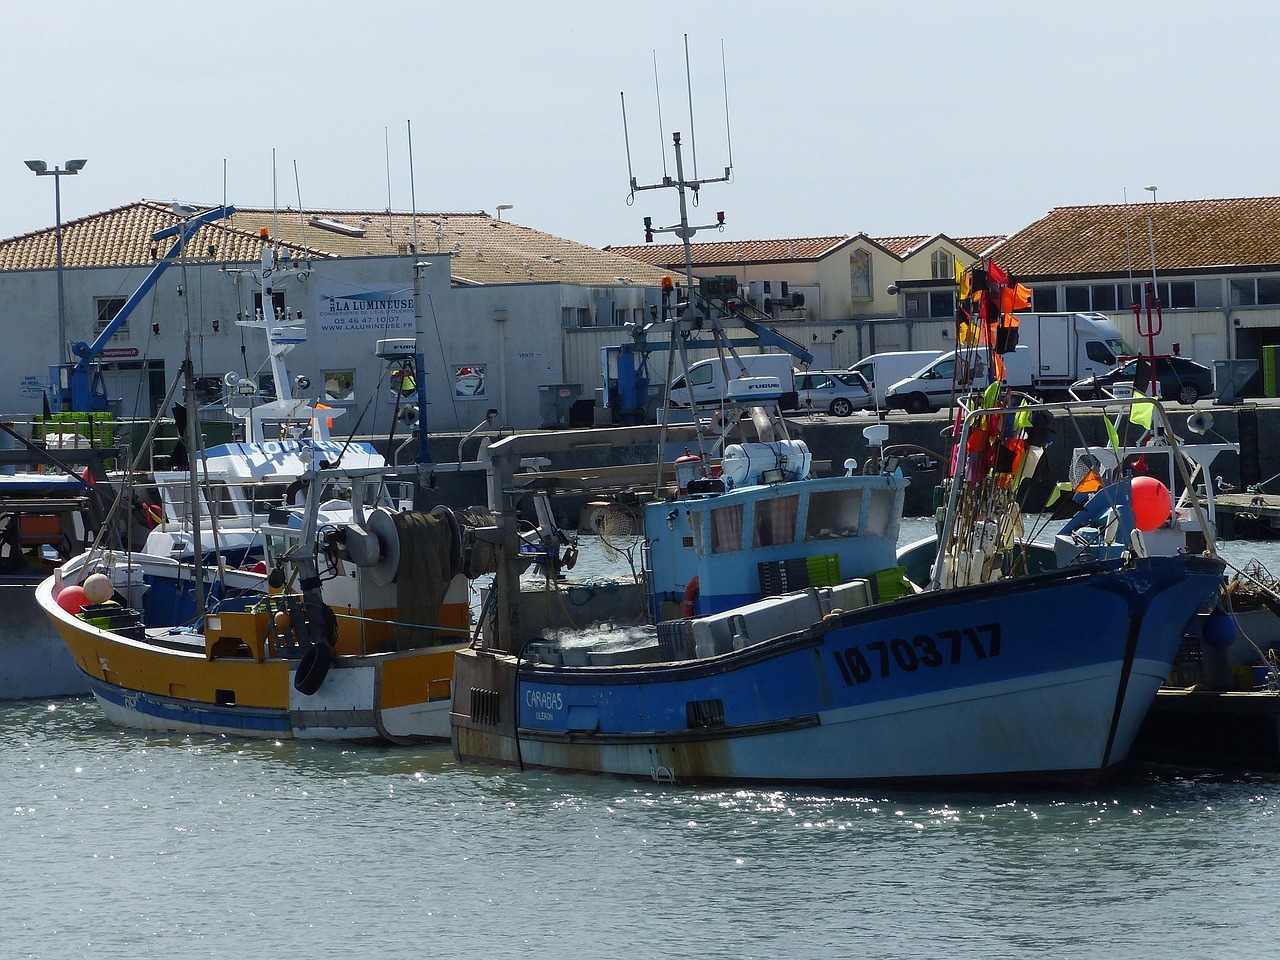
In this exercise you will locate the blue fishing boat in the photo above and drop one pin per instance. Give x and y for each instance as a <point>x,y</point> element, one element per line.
<point>859,675</point>
<point>792,647</point>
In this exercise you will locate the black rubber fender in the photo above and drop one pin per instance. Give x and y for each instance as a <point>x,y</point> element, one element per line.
<point>313,668</point>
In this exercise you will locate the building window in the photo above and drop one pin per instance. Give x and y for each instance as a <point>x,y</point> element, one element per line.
<point>1209,293</point>
<point>277,298</point>
<point>1077,298</point>
<point>584,317</point>
<point>469,382</point>
<point>566,317</point>
<point>1044,299</point>
<point>1243,293</point>
<point>208,391</point>
<point>922,305</point>
<point>339,386</point>
<point>108,307</point>
<point>1104,296</point>
<point>860,275</point>
<point>1268,291</point>
<point>943,265</point>
<point>1116,297</point>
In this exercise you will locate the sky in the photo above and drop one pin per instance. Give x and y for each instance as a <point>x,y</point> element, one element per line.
<point>892,118</point>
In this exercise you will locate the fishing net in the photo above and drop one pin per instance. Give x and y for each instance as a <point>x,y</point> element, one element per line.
<point>618,534</point>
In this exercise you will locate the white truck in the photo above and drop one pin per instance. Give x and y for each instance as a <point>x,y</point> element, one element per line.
<point>883,370</point>
<point>1054,351</point>
<point>707,382</point>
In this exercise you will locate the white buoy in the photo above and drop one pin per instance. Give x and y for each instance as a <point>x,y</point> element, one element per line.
<point>98,588</point>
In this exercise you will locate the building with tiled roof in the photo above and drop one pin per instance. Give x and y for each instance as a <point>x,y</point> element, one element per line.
<point>480,294</point>
<point>1117,238</point>
<point>484,249</point>
<point>1216,266</point>
<point>846,277</point>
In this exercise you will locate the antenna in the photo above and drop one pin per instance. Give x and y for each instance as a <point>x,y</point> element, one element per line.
<point>693,138</point>
<point>302,220</point>
<point>690,315</point>
<point>724,76</point>
<point>275,208</point>
<point>626,139</point>
<point>413,199</point>
<point>657,95</point>
<point>386,149</point>
<point>1128,243</point>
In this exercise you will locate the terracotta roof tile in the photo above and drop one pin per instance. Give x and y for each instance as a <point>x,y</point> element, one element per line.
<point>484,250</point>
<point>1113,238</point>
<point>671,255</point>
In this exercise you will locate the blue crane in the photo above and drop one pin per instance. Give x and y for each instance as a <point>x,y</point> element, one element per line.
<point>78,386</point>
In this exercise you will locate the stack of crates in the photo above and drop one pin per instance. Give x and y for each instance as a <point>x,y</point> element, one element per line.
<point>786,576</point>
<point>890,584</point>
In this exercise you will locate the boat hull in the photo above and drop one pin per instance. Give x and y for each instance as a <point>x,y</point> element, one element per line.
<point>187,685</point>
<point>998,682</point>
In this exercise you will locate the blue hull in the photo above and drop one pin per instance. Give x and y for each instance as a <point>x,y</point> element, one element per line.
<point>1040,679</point>
<point>131,708</point>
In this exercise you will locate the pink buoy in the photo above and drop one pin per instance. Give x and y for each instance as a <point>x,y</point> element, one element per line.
<point>98,588</point>
<point>72,598</point>
<point>1151,503</point>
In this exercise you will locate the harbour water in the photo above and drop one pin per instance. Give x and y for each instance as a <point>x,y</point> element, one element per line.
<point>124,844</point>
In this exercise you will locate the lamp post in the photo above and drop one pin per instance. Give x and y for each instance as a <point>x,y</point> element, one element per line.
<point>41,169</point>
<point>502,207</point>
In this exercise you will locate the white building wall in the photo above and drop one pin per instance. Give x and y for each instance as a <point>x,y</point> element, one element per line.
<point>512,335</point>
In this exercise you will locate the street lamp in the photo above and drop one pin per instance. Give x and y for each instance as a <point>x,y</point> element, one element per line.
<point>1151,190</point>
<point>501,207</point>
<point>41,169</point>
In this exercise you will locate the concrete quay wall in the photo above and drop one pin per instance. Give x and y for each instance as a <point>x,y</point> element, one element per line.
<point>832,441</point>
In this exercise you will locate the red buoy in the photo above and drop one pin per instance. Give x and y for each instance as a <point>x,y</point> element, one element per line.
<point>1151,503</point>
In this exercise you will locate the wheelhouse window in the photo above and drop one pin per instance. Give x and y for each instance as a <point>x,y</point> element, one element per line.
<point>833,514</point>
<point>775,521</point>
<point>880,512</point>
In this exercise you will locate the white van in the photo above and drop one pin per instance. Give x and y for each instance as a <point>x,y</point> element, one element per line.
<point>883,370</point>
<point>930,388</point>
<point>706,382</point>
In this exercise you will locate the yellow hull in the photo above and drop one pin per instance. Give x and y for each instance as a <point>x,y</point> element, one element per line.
<point>230,680</point>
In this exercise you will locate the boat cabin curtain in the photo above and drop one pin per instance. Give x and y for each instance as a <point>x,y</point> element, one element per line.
<point>726,529</point>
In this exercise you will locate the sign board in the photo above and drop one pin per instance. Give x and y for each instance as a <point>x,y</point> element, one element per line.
<point>368,308</point>
<point>32,388</point>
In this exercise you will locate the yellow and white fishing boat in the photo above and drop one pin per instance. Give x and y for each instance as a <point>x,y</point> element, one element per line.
<point>347,632</point>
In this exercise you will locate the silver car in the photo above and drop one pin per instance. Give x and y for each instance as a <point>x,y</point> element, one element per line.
<point>838,392</point>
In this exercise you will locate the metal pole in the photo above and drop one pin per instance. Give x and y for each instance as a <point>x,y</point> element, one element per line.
<point>62,308</point>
